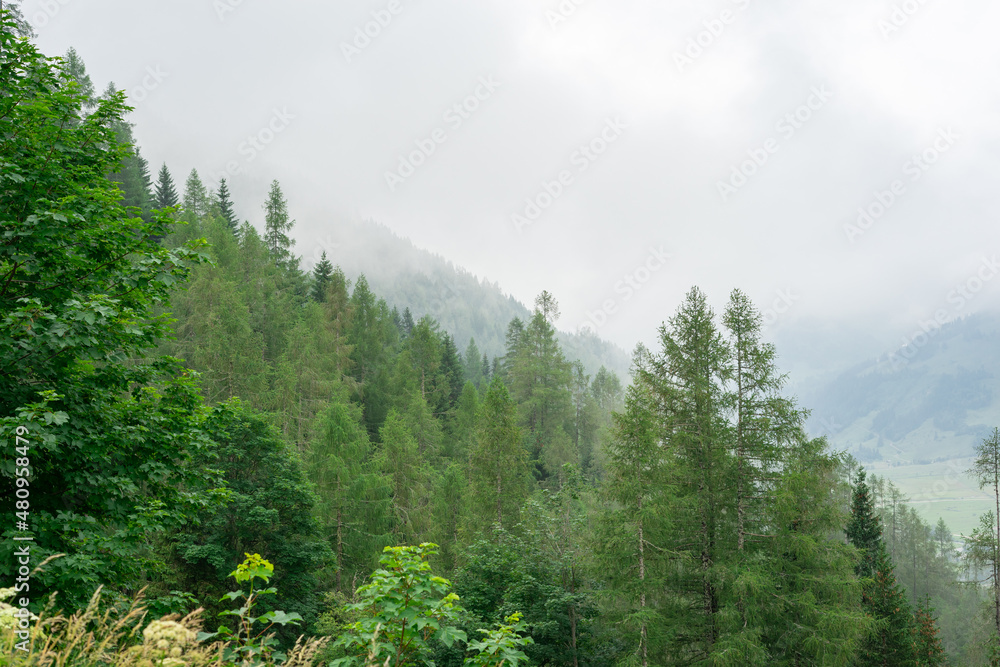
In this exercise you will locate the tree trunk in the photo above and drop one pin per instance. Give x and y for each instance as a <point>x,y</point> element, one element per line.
<point>642,588</point>
<point>996,555</point>
<point>499,498</point>
<point>340,546</point>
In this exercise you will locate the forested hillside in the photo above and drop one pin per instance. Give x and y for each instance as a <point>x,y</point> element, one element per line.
<point>464,306</point>
<point>183,404</point>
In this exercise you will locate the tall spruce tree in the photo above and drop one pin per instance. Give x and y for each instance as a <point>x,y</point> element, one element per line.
<point>225,204</point>
<point>891,641</point>
<point>930,652</point>
<point>321,278</point>
<point>687,379</point>
<point>165,194</point>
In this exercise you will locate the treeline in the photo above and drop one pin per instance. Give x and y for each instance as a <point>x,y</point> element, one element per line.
<point>189,395</point>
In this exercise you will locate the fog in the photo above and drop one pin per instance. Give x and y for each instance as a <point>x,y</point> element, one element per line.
<point>836,160</point>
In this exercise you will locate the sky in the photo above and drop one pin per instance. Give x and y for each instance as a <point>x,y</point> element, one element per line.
<point>834,159</point>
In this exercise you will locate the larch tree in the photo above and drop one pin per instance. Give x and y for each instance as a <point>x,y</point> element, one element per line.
<point>687,381</point>
<point>497,462</point>
<point>354,498</point>
<point>277,224</point>
<point>539,378</point>
<point>986,471</point>
<point>399,460</point>
<point>195,198</point>
<point>634,529</point>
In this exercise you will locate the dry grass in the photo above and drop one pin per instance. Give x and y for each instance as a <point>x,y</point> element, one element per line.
<point>91,638</point>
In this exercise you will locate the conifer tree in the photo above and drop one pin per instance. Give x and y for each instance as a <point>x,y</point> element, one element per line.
<point>225,204</point>
<point>986,470</point>
<point>473,364</point>
<point>166,193</point>
<point>930,653</point>
<point>77,70</point>
<point>371,337</point>
<point>892,640</point>
<point>321,278</point>
<point>687,379</point>
<point>277,224</point>
<point>195,198</point>
<point>539,378</point>
<point>464,433</point>
<point>454,374</point>
<point>498,467</point>
<point>21,26</point>
<point>635,532</point>
<point>400,462</point>
<point>407,326</point>
<point>354,498</point>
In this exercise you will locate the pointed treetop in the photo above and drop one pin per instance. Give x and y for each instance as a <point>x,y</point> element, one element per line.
<point>277,224</point>
<point>547,305</point>
<point>195,196</point>
<point>864,530</point>
<point>226,206</point>
<point>166,193</point>
<point>321,278</point>
<point>78,71</point>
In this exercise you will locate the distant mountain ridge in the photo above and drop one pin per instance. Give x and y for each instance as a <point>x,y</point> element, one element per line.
<point>932,400</point>
<point>465,306</point>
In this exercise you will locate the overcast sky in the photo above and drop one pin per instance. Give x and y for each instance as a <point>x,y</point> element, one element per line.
<point>737,137</point>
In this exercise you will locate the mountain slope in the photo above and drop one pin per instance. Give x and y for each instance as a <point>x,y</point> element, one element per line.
<point>931,401</point>
<point>465,306</point>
